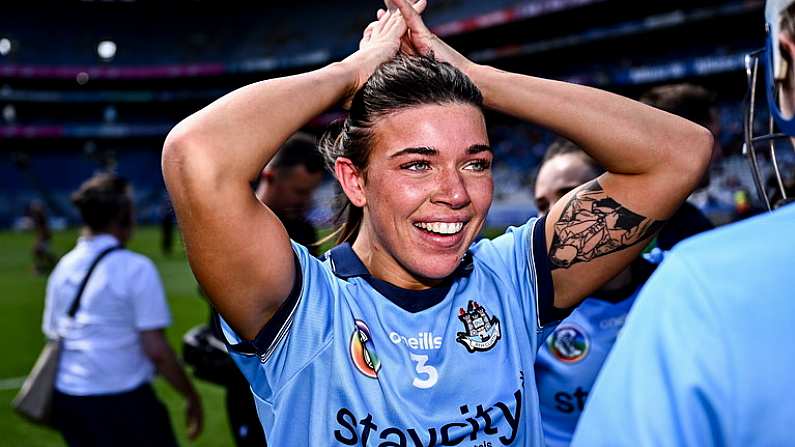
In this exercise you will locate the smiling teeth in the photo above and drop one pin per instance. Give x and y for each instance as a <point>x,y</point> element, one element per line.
<point>441,227</point>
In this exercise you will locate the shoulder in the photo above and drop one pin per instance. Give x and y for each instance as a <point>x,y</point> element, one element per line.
<point>132,260</point>
<point>761,244</point>
<point>721,275</point>
<point>506,244</point>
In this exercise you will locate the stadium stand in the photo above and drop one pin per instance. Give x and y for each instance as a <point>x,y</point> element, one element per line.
<point>119,112</point>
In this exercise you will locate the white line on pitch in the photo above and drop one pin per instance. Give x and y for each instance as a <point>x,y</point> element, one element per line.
<point>11,384</point>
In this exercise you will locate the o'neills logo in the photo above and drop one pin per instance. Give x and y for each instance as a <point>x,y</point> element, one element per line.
<point>475,422</point>
<point>481,331</point>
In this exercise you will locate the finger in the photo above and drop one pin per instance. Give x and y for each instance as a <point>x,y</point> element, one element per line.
<point>379,14</point>
<point>193,429</point>
<point>411,16</point>
<point>395,27</point>
<point>420,6</point>
<point>382,20</point>
<point>369,31</point>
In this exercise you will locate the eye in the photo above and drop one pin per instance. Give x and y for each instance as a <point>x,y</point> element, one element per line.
<point>478,165</point>
<point>419,165</point>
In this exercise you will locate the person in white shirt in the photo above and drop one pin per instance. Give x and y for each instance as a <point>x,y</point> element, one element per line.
<point>115,343</point>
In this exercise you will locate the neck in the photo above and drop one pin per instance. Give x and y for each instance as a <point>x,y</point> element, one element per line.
<point>119,233</point>
<point>382,265</point>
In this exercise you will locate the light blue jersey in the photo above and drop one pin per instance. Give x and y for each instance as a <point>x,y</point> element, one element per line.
<point>707,355</point>
<point>569,361</point>
<point>342,363</point>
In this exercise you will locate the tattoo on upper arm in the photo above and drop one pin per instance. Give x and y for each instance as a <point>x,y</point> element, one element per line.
<point>593,225</point>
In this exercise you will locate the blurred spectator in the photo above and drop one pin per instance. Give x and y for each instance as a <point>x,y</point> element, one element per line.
<point>116,342</point>
<point>166,226</point>
<point>698,105</point>
<point>287,183</point>
<point>43,259</point>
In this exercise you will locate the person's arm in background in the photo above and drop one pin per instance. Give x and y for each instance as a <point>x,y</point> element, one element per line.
<point>156,347</point>
<point>48,322</point>
<point>151,316</point>
<point>653,160</point>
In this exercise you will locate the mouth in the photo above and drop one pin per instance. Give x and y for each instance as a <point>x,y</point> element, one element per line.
<point>441,228</point>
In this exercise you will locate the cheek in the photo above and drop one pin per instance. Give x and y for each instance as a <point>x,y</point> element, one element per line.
<point>481,192</point>
<point>397,193</point>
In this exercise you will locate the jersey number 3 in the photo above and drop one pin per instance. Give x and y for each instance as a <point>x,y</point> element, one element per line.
<point>428,376</point>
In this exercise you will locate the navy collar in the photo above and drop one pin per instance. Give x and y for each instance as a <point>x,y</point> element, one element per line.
<point>346,264</point>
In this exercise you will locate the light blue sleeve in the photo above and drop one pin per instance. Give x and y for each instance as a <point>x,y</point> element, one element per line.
<point>301,328</point>
<point>667,380</point>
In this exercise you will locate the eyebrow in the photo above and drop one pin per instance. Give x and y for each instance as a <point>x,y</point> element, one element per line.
<point>425,150</point>
<point>429,151</point>
<point>478,148</point>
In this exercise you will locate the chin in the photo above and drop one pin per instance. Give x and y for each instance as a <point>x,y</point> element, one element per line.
<point>438,266</point>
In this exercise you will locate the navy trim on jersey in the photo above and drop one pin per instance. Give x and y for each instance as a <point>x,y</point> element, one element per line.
<point>346,264</point>
<point>276,328</point>
<point>547,312</point>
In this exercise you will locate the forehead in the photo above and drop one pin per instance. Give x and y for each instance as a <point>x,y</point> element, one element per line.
<point>448,128</point>
<point>563,171</point>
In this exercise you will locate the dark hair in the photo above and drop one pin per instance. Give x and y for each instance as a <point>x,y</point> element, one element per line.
<point>689,101</point>
<point>104,200</point>
<point>562,146</point>
<point>299,150</point>
<point>403,82</point>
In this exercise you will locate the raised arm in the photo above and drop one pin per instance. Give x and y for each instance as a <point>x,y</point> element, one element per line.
<point>237,248</point>
<point>653,159</point>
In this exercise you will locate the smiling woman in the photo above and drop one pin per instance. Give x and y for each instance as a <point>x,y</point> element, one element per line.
<point>316,337</point>
<point>414,161</point>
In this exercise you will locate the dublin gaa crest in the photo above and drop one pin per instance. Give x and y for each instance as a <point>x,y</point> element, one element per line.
<point>481,332</point>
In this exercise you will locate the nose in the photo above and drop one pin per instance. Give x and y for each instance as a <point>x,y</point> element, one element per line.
<point>451,190</point>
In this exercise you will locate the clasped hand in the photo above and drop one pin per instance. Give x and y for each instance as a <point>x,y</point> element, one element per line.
<point>400,28</point>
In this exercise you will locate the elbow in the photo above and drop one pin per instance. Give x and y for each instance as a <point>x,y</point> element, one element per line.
<point>693,155</point>
<point>705,144</point>
<point>174,152</point>
<point>157,353</point>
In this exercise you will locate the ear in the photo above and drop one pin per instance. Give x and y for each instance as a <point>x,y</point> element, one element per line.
<point>351,180</point>
<point>786,45</point>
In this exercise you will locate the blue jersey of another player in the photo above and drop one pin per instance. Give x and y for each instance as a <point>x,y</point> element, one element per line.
<point>706,357</point>
<point>571,358</point>
<point>351,360</point>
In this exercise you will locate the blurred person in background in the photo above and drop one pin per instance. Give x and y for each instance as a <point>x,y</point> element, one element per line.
<point>287,184</point>
<point>570,359</point>
<point>696,104</point>
<point>43,259</point>
<point>116,341</point>
<point>166,226</point>
<point>705,358</point>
